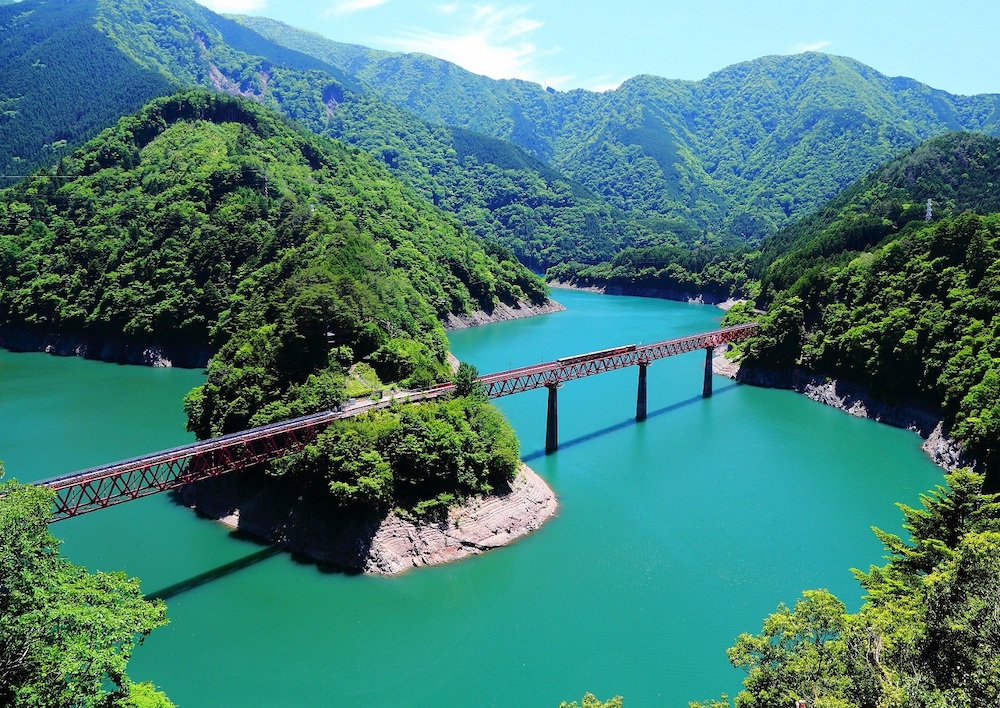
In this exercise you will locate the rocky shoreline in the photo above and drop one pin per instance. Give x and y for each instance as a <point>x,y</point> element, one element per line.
<point>262,507</point>
<point>501,313</point>
<point>120,351</point>
<point>639,291</point>
<point>311,524</point>
<point>109,349</point>
<point>851,398</point>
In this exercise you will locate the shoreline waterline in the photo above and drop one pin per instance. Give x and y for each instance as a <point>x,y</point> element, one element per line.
<point>389,544</point>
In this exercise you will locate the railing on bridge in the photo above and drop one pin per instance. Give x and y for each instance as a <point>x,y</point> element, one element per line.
<point>118,482</point>
<point>107,485</point>
<point>553,373</point>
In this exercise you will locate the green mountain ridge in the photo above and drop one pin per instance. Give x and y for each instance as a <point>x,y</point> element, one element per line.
<point>869,290</point>
<point>179,43</point>
<point>163,227</point>
<point>957,172</point>
<point>749,149</point>
<point>656,162</point>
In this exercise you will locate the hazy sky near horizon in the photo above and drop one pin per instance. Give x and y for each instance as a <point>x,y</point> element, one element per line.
<point>596,45</point>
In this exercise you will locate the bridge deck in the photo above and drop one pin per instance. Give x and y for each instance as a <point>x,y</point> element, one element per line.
<point>100,487</point>
<point>552,373</point>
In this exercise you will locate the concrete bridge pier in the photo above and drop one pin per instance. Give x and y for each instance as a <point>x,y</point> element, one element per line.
<point>640,399</point>
<point>552,420</point>
<point>707,390</point>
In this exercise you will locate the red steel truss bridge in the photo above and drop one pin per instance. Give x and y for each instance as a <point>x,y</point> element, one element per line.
<point>554,373</point>
<point>118,482</point>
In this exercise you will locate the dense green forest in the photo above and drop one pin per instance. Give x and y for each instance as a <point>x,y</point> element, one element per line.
<point>709,271</point>
<point>869,289</point>
<point>316,270</point>
<point>162,228</point>
<point>955,172</point>
<point>748,150</point>
<point>556,177</point>
<point>66,635</point>
<point>63,81</point>
<point>894,284</point>
<point>208,221</point>
<point>492,186</point>
<point>927,633</point>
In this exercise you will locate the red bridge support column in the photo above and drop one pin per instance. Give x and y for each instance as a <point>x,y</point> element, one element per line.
<point>552,420</point>
<point>640,399</point>
<point>707,390</point>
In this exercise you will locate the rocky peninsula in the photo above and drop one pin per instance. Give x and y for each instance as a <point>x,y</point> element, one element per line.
<point>310,524</point>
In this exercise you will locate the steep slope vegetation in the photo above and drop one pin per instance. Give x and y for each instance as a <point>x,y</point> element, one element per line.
<point>748,150</point>
<point>55,64</point>
<point>206,220</point>
<point>141,49</point>
<point>955,173</point>
<point>180,215</point>
<point>872,292</point>
<point>744,152</point>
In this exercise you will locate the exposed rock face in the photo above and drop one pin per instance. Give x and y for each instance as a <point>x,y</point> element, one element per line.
<point>471,529</point>
<point>851,398</point>
<point>115,351</point>
<point>501,313</point>
<point>309,523</point>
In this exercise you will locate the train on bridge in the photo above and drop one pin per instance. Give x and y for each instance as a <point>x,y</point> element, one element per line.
<point>107,485</point>
<point>600,354</point>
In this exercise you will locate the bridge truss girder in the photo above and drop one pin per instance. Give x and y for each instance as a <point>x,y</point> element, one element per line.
<point>108,485</point>
<point>554,373</point>
<point>133,479</point>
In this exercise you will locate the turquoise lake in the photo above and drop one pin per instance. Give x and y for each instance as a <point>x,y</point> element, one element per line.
<point>673,535</point>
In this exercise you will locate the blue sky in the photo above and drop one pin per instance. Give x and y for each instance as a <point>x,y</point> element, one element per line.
<point>596,45</point>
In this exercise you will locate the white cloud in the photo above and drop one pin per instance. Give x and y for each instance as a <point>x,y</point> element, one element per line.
<point>237,6</point>
<point>813,47</point>
<point>602,84</point>
<point>486,39</point>
<point>349,7</point>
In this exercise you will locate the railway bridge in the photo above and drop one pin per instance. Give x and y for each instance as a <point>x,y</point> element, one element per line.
<point>100,487</point>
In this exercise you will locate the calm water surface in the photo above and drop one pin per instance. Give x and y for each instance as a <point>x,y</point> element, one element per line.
<point>673,535</point>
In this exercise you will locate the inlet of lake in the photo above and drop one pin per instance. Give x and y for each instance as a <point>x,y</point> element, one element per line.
<point>673,535</point>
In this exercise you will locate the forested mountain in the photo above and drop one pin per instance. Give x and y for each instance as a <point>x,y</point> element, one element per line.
<point>166,225</point>
<point>880,289</point>
<point>870,290</point>
<point>555,176</point>
<point>949,175</point>
<point>134,50</point>
<point>747,150</point>
<point>207,220</point>
<point>62,81</point>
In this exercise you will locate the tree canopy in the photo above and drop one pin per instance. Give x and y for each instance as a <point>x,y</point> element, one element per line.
<point>927,633</point>
<point>66,635</point>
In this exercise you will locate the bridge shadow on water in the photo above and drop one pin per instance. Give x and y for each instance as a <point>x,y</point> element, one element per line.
<point>629,423</point>
<point>222,571</point>
<point>268,551</point>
